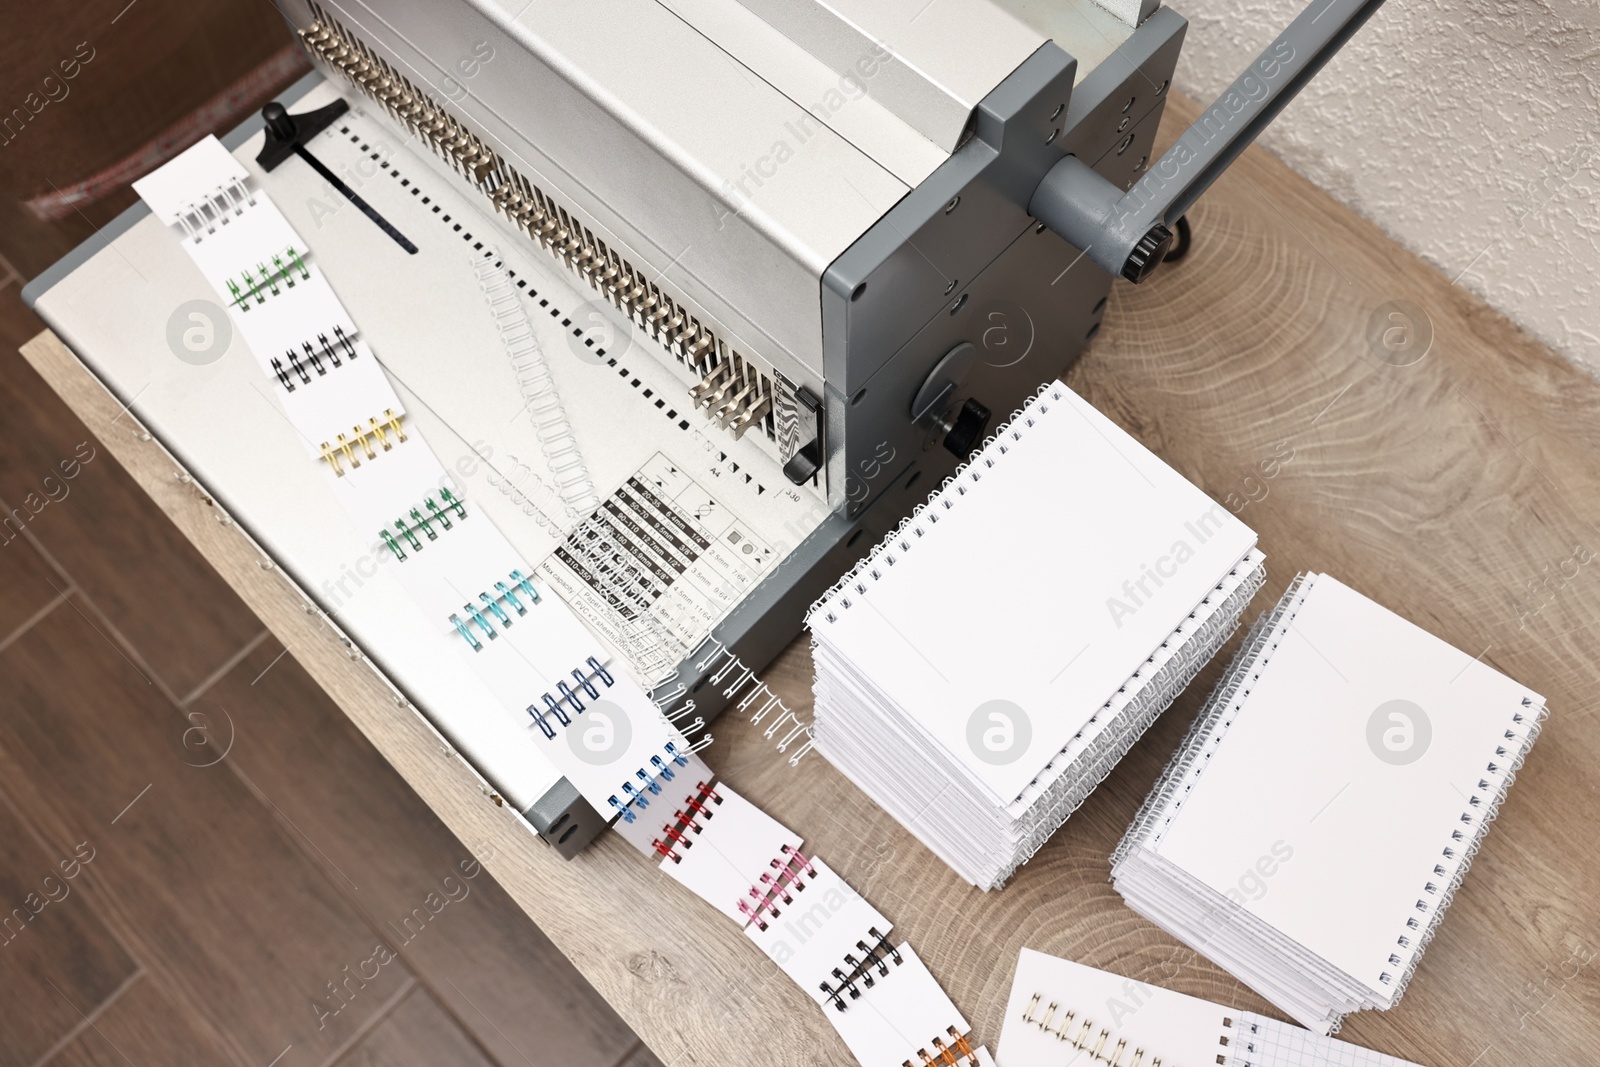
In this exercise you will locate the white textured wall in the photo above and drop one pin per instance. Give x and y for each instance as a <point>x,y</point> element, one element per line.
<point>1469,130</point>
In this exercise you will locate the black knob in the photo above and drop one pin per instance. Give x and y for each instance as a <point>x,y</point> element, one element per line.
<point>279,121</point>
<point>1147,254</point>
<point>965,433</point>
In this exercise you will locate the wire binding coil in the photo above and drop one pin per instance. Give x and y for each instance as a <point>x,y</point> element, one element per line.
<point>680,831</point>
<point>376,432</point>
<point>253,287</point>
<point>422,520</point>
<point>567,698</point>
<point>554,228</point>
<point>1500,773</point>
<point>777,888</point>
<point>201,217</point>
<point>636,794</point>
<point>953,1050</point>
<point>541,400</point>
<point>324,349</point>
<point>1252,652</point>
<point>503,591</point>
<point>1436,894</point>
<point>1158,684</point>
<point>876,955</point>
<point>1082,1034</point>
<point>790,725</point>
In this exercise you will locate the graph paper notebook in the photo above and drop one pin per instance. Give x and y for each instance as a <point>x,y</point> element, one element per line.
<point>1310,833</point>
<point>1004,647</point>
<point>1062,1012</point>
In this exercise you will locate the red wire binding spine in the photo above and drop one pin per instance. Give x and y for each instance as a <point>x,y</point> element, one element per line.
<point>694,807</point>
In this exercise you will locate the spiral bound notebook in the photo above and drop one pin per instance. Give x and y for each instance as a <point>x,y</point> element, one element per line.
<point>1002,649</point>
<point>1310,833</point>
<point>1063,1012</point>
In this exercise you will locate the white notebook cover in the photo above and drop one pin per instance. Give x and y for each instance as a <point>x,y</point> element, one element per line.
<point>1042,574</point>
<point>1300,775</point>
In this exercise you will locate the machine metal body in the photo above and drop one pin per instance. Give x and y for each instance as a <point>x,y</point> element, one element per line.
<point>807,205</point>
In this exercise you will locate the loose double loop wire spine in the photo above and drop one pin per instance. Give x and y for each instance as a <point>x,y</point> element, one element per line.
<point>542,402</point>
<point>423,519</point>
<point>857,972</point>
<point>700,807</point>
<point>780,886</point>
<point>492,603</point>
<point>201,217</point>
<point>786,725</point>
<point>313,359</point>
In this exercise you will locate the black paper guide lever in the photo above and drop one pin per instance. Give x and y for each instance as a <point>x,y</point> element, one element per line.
<point>287,135</point>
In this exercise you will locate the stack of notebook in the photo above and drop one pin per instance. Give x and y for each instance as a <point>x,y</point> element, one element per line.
<point>985,667</point>
<point>1310,832</point>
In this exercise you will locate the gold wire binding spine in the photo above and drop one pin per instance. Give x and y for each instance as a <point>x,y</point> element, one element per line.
<point>537,214</point>
<point>1082,1034</point>
<point>1232,1053</point>
<point>378,429</point>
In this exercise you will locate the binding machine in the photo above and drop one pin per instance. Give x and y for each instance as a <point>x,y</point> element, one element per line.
<point>833,239</point>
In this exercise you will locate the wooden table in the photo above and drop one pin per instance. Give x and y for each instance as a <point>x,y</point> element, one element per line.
<point>1461,490</point>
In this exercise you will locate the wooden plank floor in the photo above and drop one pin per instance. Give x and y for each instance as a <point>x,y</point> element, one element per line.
<point>1461,489</point>
<point>219,911</point>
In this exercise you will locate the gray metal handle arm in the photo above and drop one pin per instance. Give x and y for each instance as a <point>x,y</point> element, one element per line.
<point>1129,233</point>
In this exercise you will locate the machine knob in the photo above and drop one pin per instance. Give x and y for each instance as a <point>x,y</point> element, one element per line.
<point>967,430</point>
<point>1147,254</point>
<point>279,121</point>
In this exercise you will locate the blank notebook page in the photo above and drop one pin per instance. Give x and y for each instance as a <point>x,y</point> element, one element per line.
<point>1007,592</point>
<point>1296,771</point>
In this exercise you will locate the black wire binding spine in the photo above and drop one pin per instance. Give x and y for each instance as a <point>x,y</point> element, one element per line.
<point>314,355</point>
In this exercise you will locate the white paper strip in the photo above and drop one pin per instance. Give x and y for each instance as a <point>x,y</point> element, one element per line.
<point>898,1020</point>
<point>810,933</point>
<point>722,857</point>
